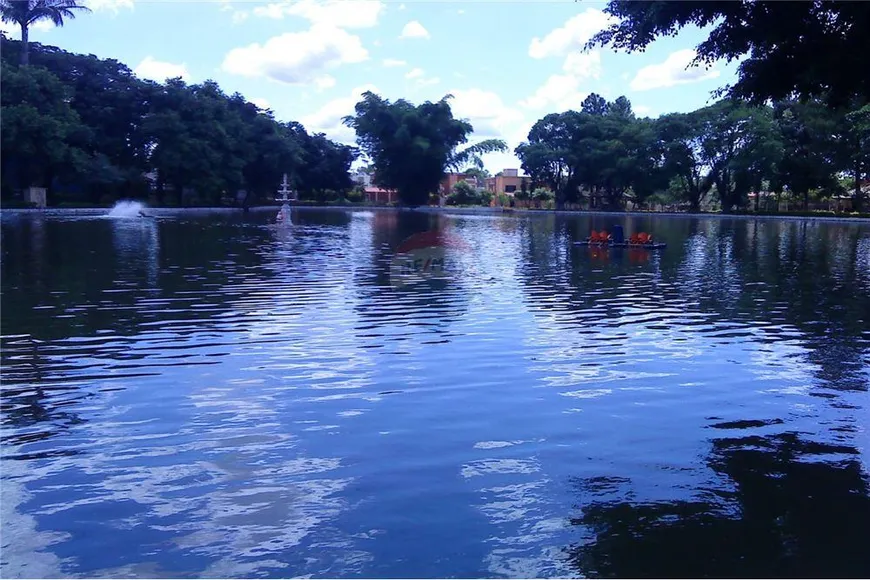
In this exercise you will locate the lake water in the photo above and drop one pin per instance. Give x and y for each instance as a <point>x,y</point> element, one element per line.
<point>206,394</point>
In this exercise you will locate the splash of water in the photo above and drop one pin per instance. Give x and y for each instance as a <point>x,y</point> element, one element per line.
<point>127,209</point>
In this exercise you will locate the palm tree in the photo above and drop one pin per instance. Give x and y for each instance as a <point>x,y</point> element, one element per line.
<point>26,12</point>
<point>472,155</point>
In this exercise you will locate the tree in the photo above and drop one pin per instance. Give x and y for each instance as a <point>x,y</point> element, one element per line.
<point>805,49</point>
<point>680,138</point>
<point>464,194</point>
<point>806,131</point>
<point>739,147</point>
<point>325,167</point>
<point>594,104</point>
<point>41,133</point>
<point>472,155</point>
<point>90,129</point>
<point>24,13</point>
<point>854,153</point>
<point>410,146</point>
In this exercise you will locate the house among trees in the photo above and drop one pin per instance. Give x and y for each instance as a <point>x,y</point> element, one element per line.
<point>508,181</point>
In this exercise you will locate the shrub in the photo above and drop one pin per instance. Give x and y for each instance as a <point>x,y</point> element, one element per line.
<point>543,194</point>
<point>465,194</point>
<point>356,195</point>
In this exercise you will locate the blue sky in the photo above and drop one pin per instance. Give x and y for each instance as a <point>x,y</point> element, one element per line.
<point>507,63</point>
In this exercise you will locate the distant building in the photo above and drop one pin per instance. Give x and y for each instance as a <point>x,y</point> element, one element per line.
<point>508,181</point>
<point>451,179</point>
<point>380,196</point>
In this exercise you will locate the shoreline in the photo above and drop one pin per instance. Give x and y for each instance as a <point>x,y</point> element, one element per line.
<point>158,211</point>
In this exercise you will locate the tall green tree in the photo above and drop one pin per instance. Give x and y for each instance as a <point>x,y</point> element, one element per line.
<point>41,134</point>
<point>807,131</point>
<point>806,49</point>
<point>680,138</point>
<point>854,155</point>
<point>25,13</point>
<point>410,146</point>
<point>740,148</point>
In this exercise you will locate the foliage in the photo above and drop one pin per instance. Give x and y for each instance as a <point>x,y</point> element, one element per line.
<point>605,155</point>
<point>807,49</point>
<point>472,155</point>
<point>465,194</point>
<point>411,146</point>
<point>478,172</point>
<point>89,129</point>
<point>542,194</point>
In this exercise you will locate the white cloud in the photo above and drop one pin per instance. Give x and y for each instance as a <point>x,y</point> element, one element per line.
<point>338,13</point>
<point>392,62</point>
<point>491,118</point>
<point>109,5</point>
<point>486,112</point>
<point>673,71</point>
<point>262,103</point>
<point>401,6</point>
<point>583,65</point>
<point>324,82</point>
<point>328,119</point>
<point>13,31</point>
<point>420,79</point>
<point>559,93</point>
<point>159,71</point>
<point>460,11</point>
<point>297,57</point>
<point>563,91</point>
<point>573,35</point>
<point>414,30</point>
<point>239,16</point>
<point>10,30</point>
<point>642,110</point>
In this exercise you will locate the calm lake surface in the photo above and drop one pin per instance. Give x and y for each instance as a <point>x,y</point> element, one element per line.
<point>206,394</point>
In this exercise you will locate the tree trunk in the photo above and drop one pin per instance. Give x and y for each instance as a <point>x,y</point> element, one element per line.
<point>807,200</point>
<point>858,202</point>
<point>25,45</point>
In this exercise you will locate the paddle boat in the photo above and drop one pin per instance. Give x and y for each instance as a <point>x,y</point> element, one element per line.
<point>616,239</point>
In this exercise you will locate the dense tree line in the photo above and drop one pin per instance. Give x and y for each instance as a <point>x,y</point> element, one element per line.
<point>90,130</point>
<point>604,152</point>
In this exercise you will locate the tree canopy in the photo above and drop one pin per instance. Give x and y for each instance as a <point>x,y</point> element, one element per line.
<point>814,49</point>
<point>89,129</point>
<point>607,155</point>
<point>411,146</point>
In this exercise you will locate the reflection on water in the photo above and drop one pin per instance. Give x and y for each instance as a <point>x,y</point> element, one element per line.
<point>209,395</point>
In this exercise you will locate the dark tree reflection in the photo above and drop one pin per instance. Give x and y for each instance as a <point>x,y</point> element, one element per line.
<point>796,508</point>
